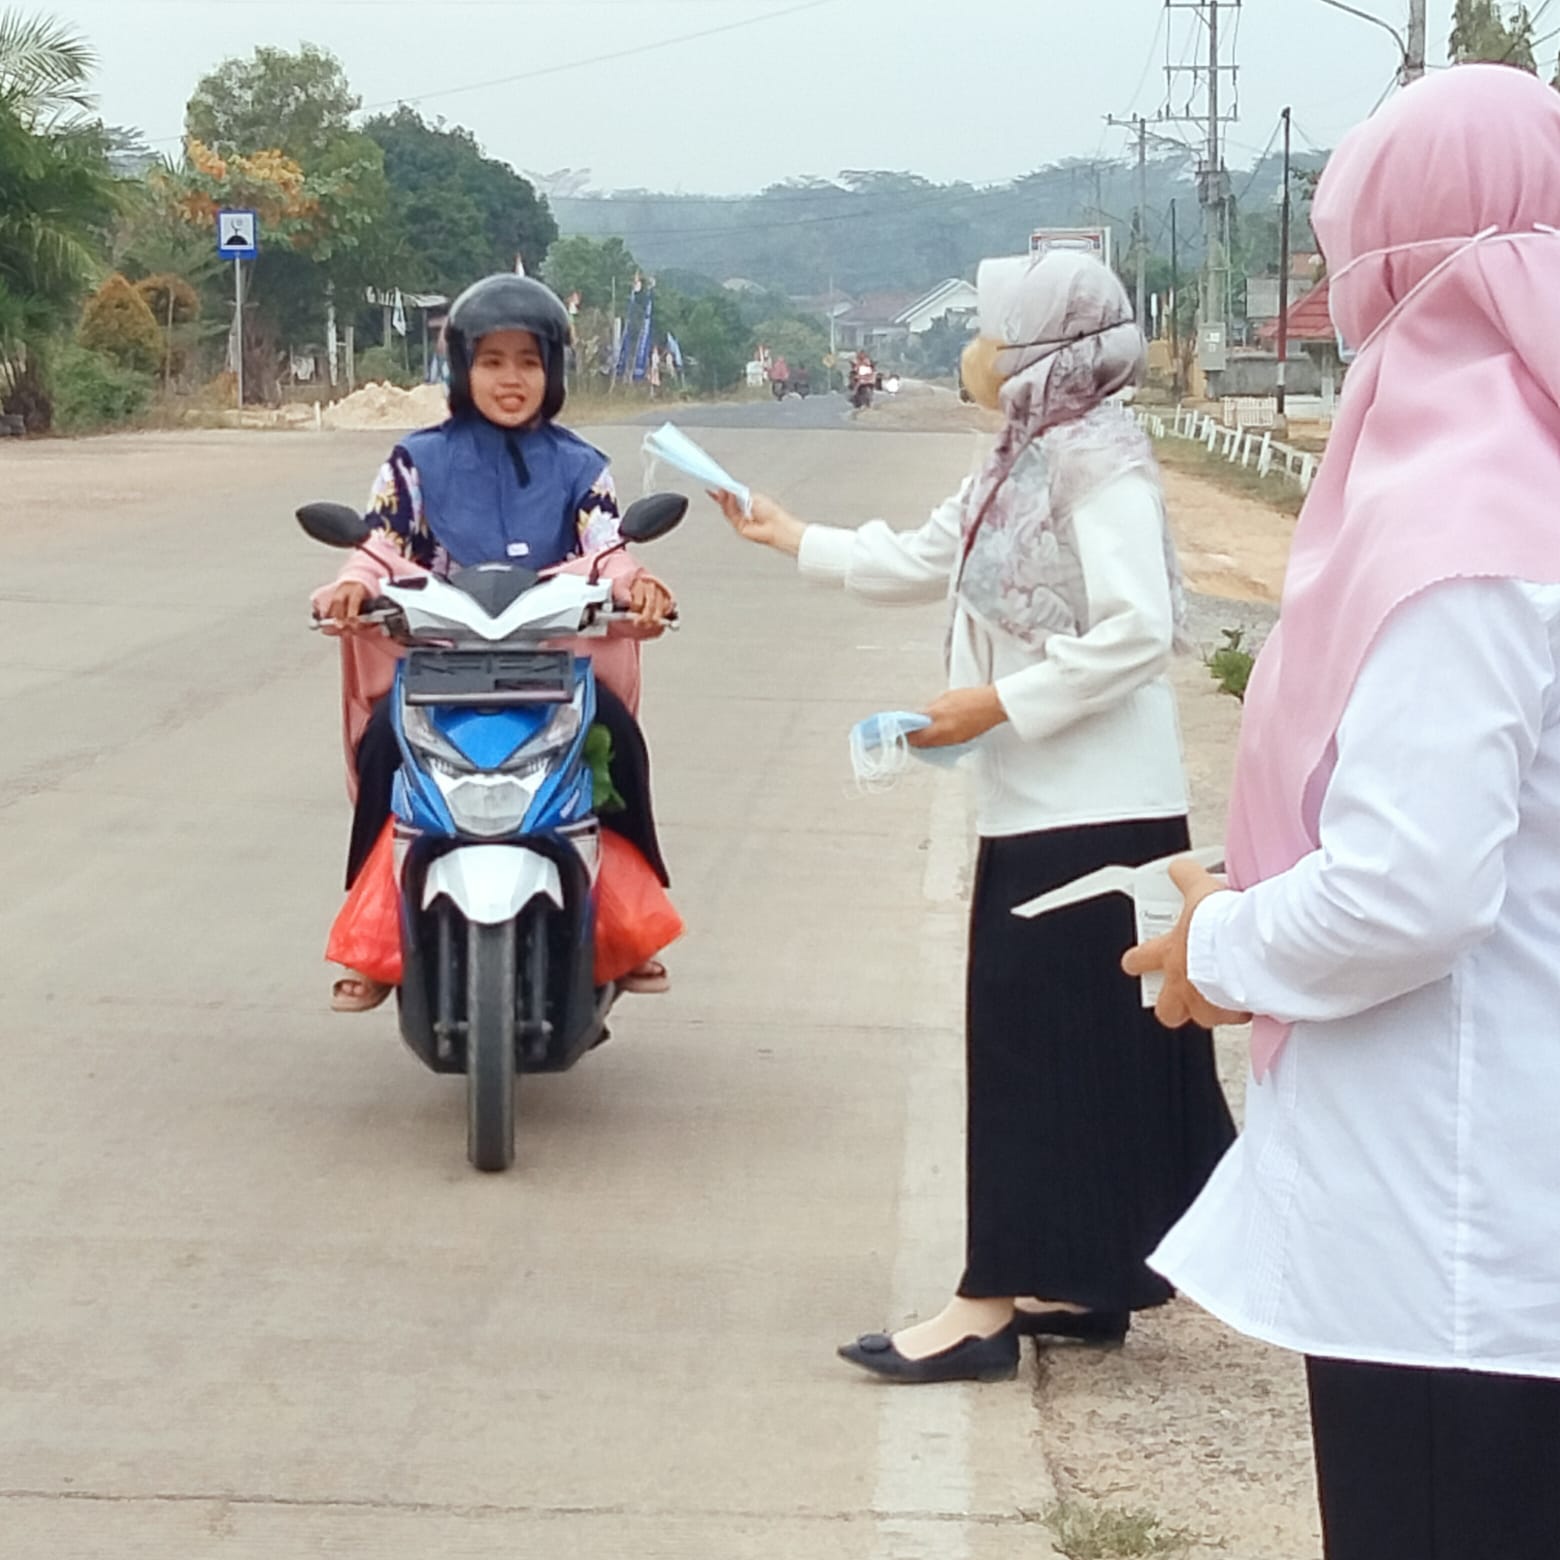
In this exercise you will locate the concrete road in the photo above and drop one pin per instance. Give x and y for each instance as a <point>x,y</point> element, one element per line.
<point>255,1306</point>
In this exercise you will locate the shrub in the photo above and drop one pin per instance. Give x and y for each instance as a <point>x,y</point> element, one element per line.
<point>93,392</point>
<point>384,363</point>
<point>118,323</point>
<point>162,293</point>
<point>1230,665</point>
<point>175,306</point>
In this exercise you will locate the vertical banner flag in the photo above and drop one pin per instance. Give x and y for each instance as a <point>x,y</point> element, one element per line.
<point>646,336</point>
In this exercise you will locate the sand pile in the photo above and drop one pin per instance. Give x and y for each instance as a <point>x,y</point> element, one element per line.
<point>385,406</point>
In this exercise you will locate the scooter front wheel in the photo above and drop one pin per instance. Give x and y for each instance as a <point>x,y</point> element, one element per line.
<point>490,1045</point>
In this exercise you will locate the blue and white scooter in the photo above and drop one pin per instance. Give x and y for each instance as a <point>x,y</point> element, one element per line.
<point>495,803</point>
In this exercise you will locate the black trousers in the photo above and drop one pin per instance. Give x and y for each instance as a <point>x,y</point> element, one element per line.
<point>379,759</point>
<point>1435,1464</point>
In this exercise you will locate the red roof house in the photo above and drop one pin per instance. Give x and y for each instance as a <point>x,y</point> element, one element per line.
<point>1309,320</point>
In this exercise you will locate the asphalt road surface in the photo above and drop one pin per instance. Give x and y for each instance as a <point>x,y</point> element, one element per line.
<point>255,1305</point>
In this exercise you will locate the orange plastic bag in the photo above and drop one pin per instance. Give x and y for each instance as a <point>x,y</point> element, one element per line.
<point>635,918</point>
<point>367,934</point>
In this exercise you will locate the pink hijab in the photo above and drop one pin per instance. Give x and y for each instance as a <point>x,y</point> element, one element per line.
<point>1445,459</point>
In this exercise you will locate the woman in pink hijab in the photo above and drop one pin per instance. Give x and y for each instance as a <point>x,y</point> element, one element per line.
<point>1392,1209</point>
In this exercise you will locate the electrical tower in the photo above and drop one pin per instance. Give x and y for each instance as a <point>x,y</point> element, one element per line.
<point>1202,89</point>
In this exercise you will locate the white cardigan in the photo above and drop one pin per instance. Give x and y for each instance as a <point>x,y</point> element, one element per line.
<point>1092,734</point>
<point>1395,1196</point>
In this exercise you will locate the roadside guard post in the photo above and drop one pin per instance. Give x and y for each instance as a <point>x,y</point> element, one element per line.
<point>238,240</point>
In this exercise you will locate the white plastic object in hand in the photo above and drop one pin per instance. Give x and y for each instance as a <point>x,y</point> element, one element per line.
<point>1154,896</point>
<point>670,445</point>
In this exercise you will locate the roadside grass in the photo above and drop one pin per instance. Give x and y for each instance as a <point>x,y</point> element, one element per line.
<point>1086,1532</point>
<point>1194,460</point>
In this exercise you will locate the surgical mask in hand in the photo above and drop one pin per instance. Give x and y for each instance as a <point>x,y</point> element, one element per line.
<point>880,753</point>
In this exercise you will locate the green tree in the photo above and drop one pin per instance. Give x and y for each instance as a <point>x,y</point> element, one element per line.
<point>1481,32</point>
<point>599,270</point>
<point>273,131</point>
<point>319,230</point>
<point>713,335</point>
<point>802,343</point>
<point>56,200</point>
<point>300,104</point>
<point>44,68</point>
<point>458,215</point>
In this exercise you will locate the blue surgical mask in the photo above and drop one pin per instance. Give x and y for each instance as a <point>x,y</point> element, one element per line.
<point>879,753</point>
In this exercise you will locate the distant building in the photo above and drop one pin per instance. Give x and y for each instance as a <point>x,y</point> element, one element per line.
<point>891,319</point>
<point>1262,291</point>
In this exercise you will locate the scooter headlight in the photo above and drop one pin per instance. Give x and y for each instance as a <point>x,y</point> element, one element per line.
<point>444,757</point>
<point>559,730</point>
<point>489,805</point>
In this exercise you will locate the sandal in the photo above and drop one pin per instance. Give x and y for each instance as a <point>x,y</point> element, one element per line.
<point>368,994</point>
<point>649,980</point>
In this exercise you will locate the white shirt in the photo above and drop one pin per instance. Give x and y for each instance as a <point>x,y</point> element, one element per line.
<point>1092,733</point>
<point>1395,1196</point>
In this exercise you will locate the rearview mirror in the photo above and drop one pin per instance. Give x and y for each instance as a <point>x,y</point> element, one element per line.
<point>335,525</point>
<point>650,518</point>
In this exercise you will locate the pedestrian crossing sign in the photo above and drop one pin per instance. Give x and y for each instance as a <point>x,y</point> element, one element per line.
<point>238,235</point>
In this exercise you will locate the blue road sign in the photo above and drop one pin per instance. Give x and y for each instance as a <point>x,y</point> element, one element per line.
<point>238,235</point>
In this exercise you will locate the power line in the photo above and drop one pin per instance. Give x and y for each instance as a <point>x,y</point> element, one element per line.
<point>1148,64</point>
<point>1256,167</point>
<point>567,65</point>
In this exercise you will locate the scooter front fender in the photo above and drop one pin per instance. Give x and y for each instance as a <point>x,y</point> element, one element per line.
<point>492,884</point>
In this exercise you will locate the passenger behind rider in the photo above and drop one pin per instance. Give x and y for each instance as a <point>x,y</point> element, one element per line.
<point>500,480</point>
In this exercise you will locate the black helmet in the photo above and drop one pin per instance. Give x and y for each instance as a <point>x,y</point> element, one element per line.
<point>506,302</point>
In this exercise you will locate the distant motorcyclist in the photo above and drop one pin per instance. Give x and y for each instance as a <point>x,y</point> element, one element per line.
<point>863,379</point>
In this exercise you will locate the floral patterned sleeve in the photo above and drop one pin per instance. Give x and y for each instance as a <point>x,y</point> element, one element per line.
<point>598,517</point>
<point>395,511</point>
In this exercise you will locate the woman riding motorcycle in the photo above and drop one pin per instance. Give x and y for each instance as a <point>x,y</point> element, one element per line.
<point>498,481</point>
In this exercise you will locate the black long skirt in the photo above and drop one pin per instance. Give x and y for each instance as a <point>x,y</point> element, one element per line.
<point>1091,1128</point>
<point>1435,1464</point>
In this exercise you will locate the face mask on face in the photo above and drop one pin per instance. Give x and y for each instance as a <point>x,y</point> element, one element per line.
<point>1347,353</point>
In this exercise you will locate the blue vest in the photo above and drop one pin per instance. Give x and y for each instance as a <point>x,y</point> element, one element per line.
<point>494,494</point>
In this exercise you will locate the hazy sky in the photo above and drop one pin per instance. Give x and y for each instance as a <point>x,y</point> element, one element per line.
<point>974,89</point>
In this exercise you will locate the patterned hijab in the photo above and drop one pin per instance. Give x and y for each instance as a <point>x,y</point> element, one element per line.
<point>1070,344</point>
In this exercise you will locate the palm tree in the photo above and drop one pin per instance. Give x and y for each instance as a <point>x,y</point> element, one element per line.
<point>56,200</point>
<point>44,68</point>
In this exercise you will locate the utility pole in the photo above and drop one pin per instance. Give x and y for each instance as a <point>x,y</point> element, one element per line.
<point>1414,56</point>
<point>1140,216</point>
<point>1142,226</point>
<point>1211,116</point>
<point>1283,280</point>
<point>1175,303</point>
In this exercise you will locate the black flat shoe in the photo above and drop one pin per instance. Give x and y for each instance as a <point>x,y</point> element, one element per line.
<point>975,1359</point>
<point>1096,1327</point>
